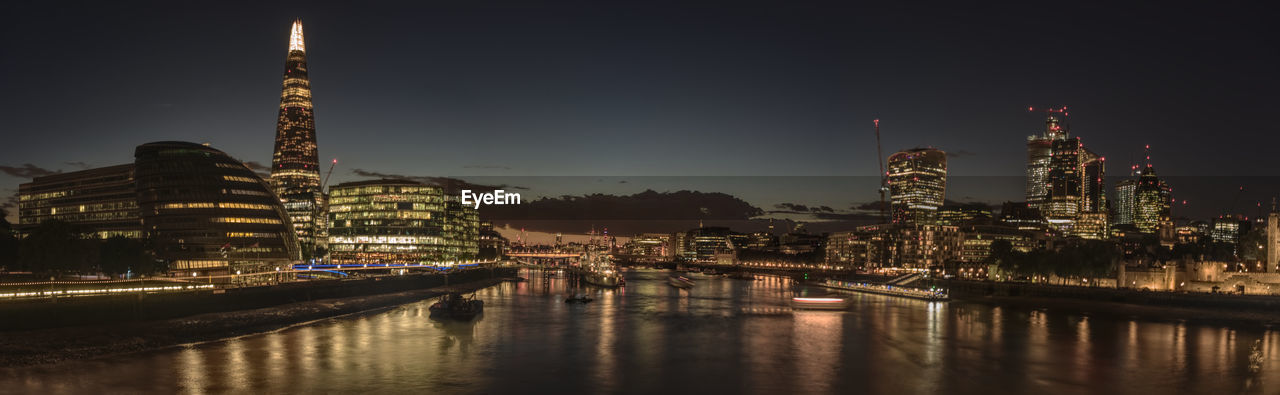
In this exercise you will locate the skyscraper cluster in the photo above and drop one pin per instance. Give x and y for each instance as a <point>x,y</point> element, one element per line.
<point>1066,181</point>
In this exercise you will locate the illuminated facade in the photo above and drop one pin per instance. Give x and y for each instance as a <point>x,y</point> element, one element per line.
<point>1063,201</point>
<point>917,185</point>
<point>976,246</point>
<point>295,168</point>
<point>1039,158</point>
<point>295,163</point>
<point>1125,206</point>
<point>651,246</point>
<point>206,213</point>
<point>101,201</point>
<point>927,246</point>
<point>705,243</point>
<point>966,214</point>
<point>1152,202</point>
<point>399,221</point>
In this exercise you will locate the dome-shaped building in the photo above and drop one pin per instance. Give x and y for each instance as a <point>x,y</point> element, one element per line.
<point>206,213</point>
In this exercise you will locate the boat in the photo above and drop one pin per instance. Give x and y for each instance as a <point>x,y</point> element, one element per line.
<point>680,282</point>
<point>603,278</point>
<point>580,298</point>
<point>454,305</point>
<point>598,269</point>
<point>742,276</point>
<point>515,279</point>
<point>823,303</point>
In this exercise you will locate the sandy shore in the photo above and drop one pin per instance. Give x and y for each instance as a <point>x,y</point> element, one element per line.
<point>24,348</point>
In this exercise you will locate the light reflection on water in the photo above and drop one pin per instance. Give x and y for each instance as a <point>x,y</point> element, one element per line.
<point>722,336</point>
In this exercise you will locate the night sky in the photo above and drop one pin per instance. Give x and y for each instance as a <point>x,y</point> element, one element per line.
<point>524,88</point>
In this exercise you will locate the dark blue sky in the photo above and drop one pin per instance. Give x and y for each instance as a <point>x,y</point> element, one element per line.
<point>645,88</point>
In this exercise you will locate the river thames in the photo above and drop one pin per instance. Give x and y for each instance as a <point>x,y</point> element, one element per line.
<point>722,336</point>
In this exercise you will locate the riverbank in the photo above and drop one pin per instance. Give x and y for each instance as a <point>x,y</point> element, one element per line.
<point>47,346</point>
<point>1124,303</point>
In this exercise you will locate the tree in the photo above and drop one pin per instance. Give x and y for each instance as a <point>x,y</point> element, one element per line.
<point>119,255</point>
<point>56,247</point>
<point>8,244</point>
<point>1253,245</point>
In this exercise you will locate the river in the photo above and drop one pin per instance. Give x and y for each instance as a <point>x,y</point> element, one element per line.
<point>722,336</point>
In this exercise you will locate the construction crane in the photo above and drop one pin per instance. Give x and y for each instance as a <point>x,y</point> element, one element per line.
<point>884,177</point>
<point>325,185</point>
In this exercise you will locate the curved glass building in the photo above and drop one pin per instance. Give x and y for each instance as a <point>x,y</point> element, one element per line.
<point>206,213</point>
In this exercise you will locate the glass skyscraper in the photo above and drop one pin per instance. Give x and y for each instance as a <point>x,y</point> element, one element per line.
<point>295,167</point>
<point>917,185</point>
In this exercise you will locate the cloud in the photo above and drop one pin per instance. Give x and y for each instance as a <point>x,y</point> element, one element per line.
<point>961,154</point>
<point>792,207</point>
<point>497,167</point>
<point>449,184</point>
<point>27,171</point>
<point>80,165</point>
<point>259,168</point>
<point>644,206</point>
<point>875,205</point>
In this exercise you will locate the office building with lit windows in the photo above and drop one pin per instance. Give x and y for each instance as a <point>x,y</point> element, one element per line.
<point>202,211</point>
<point>102,201</point>
<point>1152,202</point>
<point>1039,160</point>
<point>399,221</point>
<point>917,185</point>
<point>295,165</point>
<point>1062,204</point>
<point>1124,207</point>
<point>206,213</point>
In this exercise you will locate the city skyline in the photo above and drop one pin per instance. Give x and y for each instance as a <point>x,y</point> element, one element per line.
<point>905,130</point>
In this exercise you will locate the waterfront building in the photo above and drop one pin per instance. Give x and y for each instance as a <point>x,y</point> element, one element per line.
<point>865,248</point>
<point>762,241</point>
<point>977,239</point>
<point>1152,202</point>
<point>927,246</point>
<point>295,166</point>
<point>206,213</point>
<point>650,246</point>
<point>706,242</point>
<point>1039,160</point>
<point>102,202</point>
<point>490,244</point>
<point>799,242</point>
<point>399,221</point>
<point>917,185</point>
<point>964,214</point>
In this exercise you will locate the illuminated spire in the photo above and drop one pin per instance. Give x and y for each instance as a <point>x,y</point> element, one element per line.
<point>295,37</point>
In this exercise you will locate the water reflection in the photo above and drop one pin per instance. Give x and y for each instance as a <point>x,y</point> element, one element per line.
<point>724,335</point>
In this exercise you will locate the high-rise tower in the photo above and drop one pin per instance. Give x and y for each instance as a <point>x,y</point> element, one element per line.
<point>295,164</point>
<point>917,185</point>
<point>1040,158</point>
